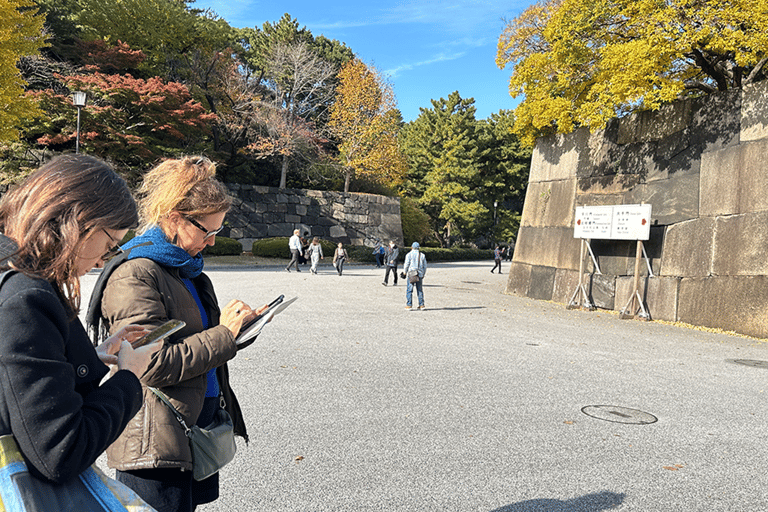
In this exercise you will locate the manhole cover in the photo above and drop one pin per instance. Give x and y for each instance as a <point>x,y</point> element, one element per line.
<point>750,362</point>
<point>619,414</point>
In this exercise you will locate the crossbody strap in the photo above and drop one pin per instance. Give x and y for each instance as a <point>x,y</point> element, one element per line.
<point>176,413</point>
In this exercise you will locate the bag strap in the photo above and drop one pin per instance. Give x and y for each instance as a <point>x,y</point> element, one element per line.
<point>176,413</point>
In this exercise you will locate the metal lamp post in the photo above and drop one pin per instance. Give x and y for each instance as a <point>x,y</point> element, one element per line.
<point>495,204</point>
<point>78,98</point>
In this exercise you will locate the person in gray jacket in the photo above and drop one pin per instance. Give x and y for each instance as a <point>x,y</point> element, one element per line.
<point>390,261</point>
<point>414,270</point>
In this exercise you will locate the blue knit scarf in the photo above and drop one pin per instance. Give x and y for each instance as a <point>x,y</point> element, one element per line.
<point>164,252</point>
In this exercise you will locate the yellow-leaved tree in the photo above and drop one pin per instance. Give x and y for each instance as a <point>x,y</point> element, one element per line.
<point>365,119</point>
<point>582,62</point>
<point>21,35</point>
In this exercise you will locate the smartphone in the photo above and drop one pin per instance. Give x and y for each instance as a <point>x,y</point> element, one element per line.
<point>275,302</point>
<point>159,333</point>
<point>261,315</point>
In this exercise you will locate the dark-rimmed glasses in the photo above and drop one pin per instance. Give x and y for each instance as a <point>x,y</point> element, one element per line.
<point>113,251</point>
<point>208,234</point>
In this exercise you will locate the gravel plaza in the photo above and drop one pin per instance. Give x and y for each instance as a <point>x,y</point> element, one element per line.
<point>484,402</point>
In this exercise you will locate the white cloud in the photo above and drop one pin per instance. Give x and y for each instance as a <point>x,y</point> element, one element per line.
<point>394,72</point>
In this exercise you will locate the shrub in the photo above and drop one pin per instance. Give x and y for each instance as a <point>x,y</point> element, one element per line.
<point>272,248</point>
<point>360,253</point>
<point>224,247</point>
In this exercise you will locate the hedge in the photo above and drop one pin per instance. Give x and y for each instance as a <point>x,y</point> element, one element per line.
<point>224,247</point>
<point>278,248</point>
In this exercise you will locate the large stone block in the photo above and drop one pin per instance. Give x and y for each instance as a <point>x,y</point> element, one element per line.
<point>542,282</point>
<point>733,180</point>
<point>556,157</point>
<point>337,232</point>
<point>549,247</point>
<point>754,111</point>
<point>740,245</point>
<point>566,283</point>
<point>730,303</point>
<point>549,204</point>
<point>659,294</point>
<point>662,297</point>
<point>653,125</point>
<point>602,290</point>
<point>716,121</point>
<point>280,229</point>
<point>688,248</point>
<point>519,279</point>
<point>624,289</point>
<point>674,200</point>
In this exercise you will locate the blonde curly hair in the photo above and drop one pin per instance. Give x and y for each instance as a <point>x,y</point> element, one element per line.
<point>187,185</point>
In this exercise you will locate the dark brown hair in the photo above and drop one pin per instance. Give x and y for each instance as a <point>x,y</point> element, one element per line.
<point>55,208</point>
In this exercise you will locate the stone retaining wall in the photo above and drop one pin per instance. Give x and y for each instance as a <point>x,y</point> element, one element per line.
<point>702,165</point>
<point>359,219</point>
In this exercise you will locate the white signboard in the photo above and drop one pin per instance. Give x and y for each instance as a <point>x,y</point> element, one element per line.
<point>617,222</point>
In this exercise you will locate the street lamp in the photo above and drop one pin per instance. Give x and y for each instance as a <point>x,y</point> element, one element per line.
<point>78,98</point>
<point>495,204</point>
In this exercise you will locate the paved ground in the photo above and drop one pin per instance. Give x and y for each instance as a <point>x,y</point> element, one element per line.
<point>475,404</point>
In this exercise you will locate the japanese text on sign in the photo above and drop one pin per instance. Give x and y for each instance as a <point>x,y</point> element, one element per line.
<point>617,222</point>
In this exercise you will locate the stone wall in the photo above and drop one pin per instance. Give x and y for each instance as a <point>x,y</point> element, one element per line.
<point>359,219</point>
<point>701,164</point>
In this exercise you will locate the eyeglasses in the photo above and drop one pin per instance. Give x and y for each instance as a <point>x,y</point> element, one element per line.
<point>113,251</point>
<point>208,234</point>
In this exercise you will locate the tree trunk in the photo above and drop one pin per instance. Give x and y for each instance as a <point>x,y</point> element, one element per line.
<point>284,171</point>
<point>347,179</point>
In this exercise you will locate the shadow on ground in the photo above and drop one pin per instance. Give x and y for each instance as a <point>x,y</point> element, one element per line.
<point>587,503</point>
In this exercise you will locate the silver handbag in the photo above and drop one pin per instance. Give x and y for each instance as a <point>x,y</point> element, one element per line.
<point>213,447</point>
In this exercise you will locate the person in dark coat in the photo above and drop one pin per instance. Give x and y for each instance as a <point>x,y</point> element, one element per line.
<point>390,261</point>
<point>66,218</point>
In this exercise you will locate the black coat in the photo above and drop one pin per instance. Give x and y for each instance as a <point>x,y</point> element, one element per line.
<point>50,398</point>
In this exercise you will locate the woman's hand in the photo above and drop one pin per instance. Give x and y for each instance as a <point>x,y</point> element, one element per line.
<point>235,314</point>
<point>136,360</point>
<point>108,350</point>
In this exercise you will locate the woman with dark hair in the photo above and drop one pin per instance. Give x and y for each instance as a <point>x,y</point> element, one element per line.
<point>158,278</point>
<point>63,220</point>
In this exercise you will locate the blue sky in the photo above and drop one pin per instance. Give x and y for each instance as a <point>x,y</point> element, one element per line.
<point>428,48</point>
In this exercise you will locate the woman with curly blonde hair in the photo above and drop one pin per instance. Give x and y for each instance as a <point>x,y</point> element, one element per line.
<point>160,277</point>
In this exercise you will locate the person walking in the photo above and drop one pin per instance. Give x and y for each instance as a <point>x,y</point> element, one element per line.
<point>160,277</point>
<point>294,244</point>
<point>390,261</point>
<point>414,270</point>
<point>66,218</point>
<point>497,254</point>
<point>377,253</point>
<point>315,251</point>
<point>339,255</point>
<point>304,246</point>
<point>510,250</point>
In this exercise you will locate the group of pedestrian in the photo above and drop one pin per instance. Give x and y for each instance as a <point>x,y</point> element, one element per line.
<point>66,218</point>
<point>315,252</point>
<point>414,269</point>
